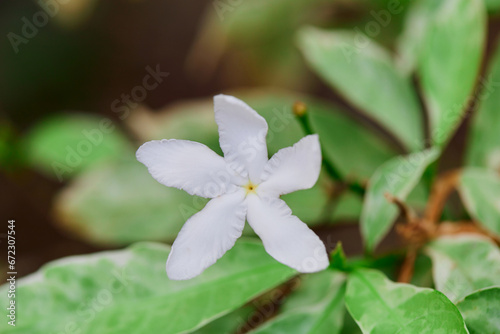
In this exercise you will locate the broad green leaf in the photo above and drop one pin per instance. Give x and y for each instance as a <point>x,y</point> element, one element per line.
<point>356,152</point>
<point>484,138</point>
<point>348,208</point>
<point>309,204</point>
<point>66,145</point>
<point>464,263</point>
<point>480,192</point>
<point>317,306</point>
<point>396,177</point>
<point>128,291</point>
<point>448,66</point>
<point>380,306</point>
<point>118,204</point>
<point>365,74</point>
<point>419,196</point>
<point>409,44</point>
<point>481,311</point>
<point>233,322</point>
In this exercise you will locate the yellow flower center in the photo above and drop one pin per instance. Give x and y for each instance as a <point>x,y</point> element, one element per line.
<point>250,187</point>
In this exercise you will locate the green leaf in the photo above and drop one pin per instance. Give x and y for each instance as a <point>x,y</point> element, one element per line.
<point>464,263</point>
<point>448,66</point>
<point>338,259</point>
<point>348,207</point>
<point>309,204</point>
<point>365,74</point>
<point>232,322</point>
<point>380,306</point>
<point>128,291</point>
<point>118,204</point>
<point>357,157</point>
<point>481,311</point>
<point>317,306</point>
<point>484,138</point>
<point>396,177</point>
<point>65,145</point>
<point>410,43</point>
<point>480,193</point>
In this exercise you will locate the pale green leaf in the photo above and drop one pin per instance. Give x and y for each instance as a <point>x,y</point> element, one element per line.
<point>128,291</point>
<point>365,74</point>
<point>409,44</point>
<point>396,177</point>
<point>316,307</point>
<point>66,145</point>
<point>464,263</point>
<point>449,65</point>
<point>118,204</point>
<point>380,306</point>
<point>480,192</point>
<point>484,138</point>
<point>481,311</point>
<point>348,207</point>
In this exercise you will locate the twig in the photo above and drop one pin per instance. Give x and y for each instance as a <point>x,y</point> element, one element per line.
<point>441,190</point>
<point>415,231</point>
<point>405,210</point>
<point>452,228</point>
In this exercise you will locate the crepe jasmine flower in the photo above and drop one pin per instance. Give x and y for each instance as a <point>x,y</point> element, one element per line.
<point>242,184</point>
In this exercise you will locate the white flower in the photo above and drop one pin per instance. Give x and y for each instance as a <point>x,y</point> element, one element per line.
<point>243,184</point>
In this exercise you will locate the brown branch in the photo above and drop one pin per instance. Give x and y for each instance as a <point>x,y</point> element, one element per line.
<point>453,228</point>
<point>404,209</point>
<point>407,268</point>
<point>416,232</point>
<point>441,190</point>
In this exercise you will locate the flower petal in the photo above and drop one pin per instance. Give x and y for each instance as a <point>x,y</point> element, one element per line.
<point>187,165</point>
<point>206,236</point>
<point>292,168</point>
<point>285,237</point>
<point>242,134</point>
